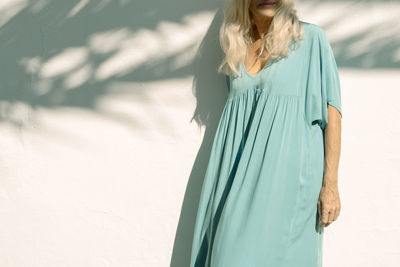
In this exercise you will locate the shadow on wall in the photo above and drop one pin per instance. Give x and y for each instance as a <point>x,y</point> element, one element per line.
<point>211,93</point>
<point>70,53</point>
<point>367,34</point>
<point>59,54</point>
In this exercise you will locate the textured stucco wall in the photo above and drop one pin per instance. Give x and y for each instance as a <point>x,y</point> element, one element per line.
<point>107,115</point>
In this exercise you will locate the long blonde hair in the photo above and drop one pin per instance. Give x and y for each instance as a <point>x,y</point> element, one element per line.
<point>235,38</point>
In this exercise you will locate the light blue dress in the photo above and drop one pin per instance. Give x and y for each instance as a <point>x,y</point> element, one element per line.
<point>258,205</point>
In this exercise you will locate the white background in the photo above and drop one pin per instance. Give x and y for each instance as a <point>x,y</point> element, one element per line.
<point>108,111</point>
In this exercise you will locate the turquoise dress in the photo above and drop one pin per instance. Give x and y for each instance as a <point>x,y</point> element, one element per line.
<point>258,205</point>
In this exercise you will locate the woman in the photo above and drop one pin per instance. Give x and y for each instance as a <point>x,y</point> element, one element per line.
<point>271,182</point>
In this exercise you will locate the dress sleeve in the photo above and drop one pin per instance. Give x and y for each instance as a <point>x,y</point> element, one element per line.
<point>323,84</point>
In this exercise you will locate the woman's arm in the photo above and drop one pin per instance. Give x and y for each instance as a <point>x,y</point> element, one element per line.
<point>329,201</point>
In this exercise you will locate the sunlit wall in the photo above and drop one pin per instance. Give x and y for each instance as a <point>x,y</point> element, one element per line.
<point>108,111</point>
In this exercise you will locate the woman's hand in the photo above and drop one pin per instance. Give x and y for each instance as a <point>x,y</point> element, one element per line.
<point>328,204</point>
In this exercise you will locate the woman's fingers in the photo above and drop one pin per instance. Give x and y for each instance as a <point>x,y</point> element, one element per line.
<point>328,205</point>
<point>325,215</point>
<point>329,214</point>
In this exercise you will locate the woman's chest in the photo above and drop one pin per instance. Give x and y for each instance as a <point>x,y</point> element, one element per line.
<point>279,77</point>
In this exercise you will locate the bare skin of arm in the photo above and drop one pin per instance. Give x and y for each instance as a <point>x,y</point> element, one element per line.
<point>329,200</point>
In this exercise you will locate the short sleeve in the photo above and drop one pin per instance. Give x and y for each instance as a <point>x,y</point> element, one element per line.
<point>323,85</point>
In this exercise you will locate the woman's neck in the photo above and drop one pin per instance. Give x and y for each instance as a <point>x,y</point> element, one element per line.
<point>260,27</point>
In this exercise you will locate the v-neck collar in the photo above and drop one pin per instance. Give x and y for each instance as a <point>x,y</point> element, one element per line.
<point>258,73</point>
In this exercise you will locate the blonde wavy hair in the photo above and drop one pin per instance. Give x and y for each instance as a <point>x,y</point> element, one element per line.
<point>235,33</point>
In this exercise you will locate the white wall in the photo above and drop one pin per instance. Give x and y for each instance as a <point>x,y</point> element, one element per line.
<point>108,111</point>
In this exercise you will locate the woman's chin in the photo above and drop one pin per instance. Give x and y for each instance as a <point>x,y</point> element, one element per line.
<point>266,12</point>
